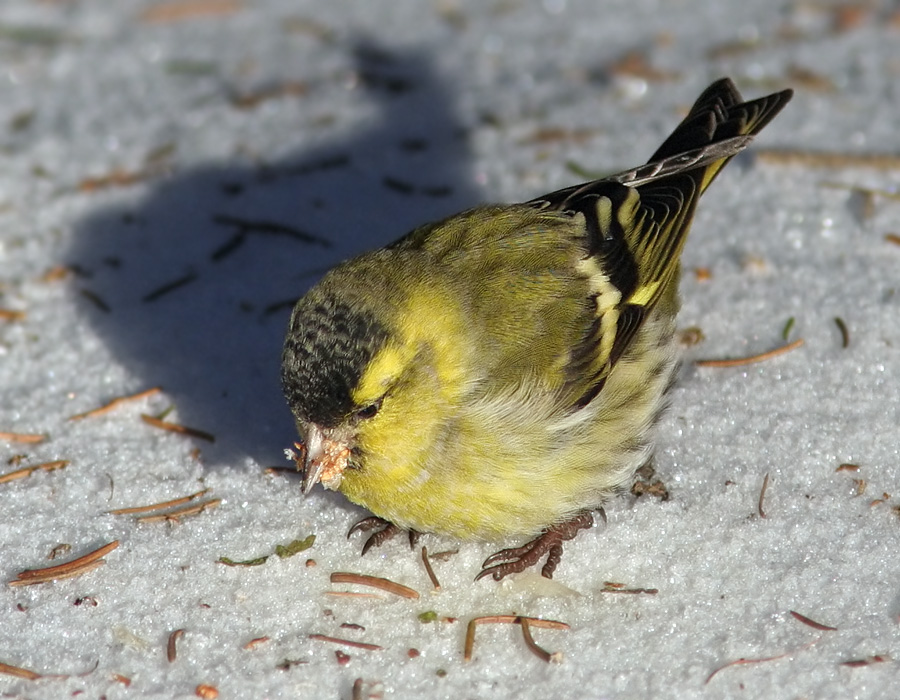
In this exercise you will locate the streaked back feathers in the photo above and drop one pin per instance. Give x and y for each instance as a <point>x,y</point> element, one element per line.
<point>637,221</point>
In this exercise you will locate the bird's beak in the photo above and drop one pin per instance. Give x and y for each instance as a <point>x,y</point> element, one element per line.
<point>325,459</point>
<point>315,452</point>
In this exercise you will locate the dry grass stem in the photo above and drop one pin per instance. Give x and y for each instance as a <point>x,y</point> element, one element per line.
<point>29,438</point>
<point>177,428</point>
<point>52,571</point>
<point>28,471</point>
<point>106,408</point>
<point>375,582</point>
<point>429,570</point>
<point>741,662</point>
<point>741,361</point>
<point>504,619</point>
<point>346,642</point>
<point>71,573</point>
<point>540,652</point>
<point>630,591</point>
<point>255,642</point>
<point>174,515</point>
<point>19,672</point>
<point>812,623</point>
<point>158,506</point>
<point>762,495</point>
<point>443,556</point>
<point>171,645</point>
<point>858,663</point>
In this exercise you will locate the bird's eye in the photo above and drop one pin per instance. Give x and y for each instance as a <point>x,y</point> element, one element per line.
<point>368,411</point>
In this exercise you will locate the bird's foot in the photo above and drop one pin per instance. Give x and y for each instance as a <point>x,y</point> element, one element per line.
<point>385,530</point>
<point>549,542</point>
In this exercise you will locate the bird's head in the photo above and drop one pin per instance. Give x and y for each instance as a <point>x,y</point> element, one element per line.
<point>368,373</point>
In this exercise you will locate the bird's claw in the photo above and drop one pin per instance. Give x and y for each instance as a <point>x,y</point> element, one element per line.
<point>549,542</point>
<point>386,530</point>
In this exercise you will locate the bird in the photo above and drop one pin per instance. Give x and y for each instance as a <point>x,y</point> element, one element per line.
<point>499,374</point>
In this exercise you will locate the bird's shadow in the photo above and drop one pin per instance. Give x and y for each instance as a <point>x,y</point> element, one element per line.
<point>198,278</point>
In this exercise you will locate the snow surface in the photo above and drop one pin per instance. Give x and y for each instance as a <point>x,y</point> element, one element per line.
<point>133,139</point>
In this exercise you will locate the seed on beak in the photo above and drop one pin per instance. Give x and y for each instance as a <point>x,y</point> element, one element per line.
<point>325,460</point>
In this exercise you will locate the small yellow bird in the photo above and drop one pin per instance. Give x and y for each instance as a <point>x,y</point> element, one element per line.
<point>499,373</point>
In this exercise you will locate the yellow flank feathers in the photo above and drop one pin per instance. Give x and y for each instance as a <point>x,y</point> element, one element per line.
<point>500,373</point>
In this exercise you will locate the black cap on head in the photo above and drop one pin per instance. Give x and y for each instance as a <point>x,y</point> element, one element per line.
<point>328,346</point>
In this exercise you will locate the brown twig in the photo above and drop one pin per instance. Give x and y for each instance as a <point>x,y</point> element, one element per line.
<point>878,501</point>
<point>346,642</point>
<point>375,582</point>
<point>812,623</point>
<point>858,663</point>
<point>22,437</point>
<point>256,642</point>
<point>59,568</point>
<point>171,648</point>
<point>11,315</point>
<point>504,619</point>
<point>540,652</point>
<point>429,570</point>
<point>19,672</point>
<point>176,514</point>
<point>443,556</point>
<point>106,408</point>
<point>177,428</point>
<point>76,567</point>
<point>630,591</point>
<point>157,506</point>
<point>28,471</point>
<point>762,495</point>
<point>77,571</point>
<point>740,361</point>
<point>740,662</point>
<point>117,178</point>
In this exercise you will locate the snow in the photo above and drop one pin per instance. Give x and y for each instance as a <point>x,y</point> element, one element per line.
<point>136,147</point>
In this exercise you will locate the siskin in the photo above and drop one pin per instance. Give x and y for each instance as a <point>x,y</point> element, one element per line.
<point>499,373</point>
